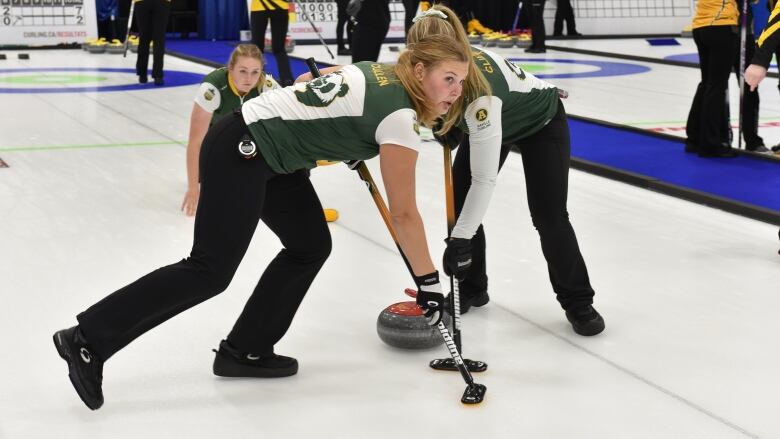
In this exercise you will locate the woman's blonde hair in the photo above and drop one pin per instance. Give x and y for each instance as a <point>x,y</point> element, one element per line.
<point>433,39</point>
<point>249,51</point>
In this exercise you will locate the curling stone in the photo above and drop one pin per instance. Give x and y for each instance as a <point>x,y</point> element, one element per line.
<point>115,47</point>
<point>475,38</point>
<point>403,325</point>
<point>524,40</point>
<point>87,42</point>
<point>489,40</point>
<point>98,46</point>
<point>506,41</point>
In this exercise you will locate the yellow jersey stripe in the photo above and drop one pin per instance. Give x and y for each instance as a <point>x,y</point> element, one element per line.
<point>269,5</point>
<point>768,33</point>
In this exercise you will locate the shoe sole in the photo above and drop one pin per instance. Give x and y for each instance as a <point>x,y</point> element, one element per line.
<point>74,380</point>
<point>230,369</point>
<point>590,329</point>
<point>483,300</point>
<point>591,332</point>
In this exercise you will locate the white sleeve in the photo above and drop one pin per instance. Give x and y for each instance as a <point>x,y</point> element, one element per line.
<point>399,127</point>
<point>208,97</point>
<point>483,118</point>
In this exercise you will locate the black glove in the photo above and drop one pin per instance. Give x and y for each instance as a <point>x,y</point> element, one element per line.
<point>457,257</point>
<point>429,297</point>
<point>452,138</point>
<point>353,7</point>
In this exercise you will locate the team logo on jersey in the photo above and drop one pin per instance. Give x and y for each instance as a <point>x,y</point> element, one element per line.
<point>322,91</point>
<point>515,68</point>
<point>482,118</point>
<point>209,94</point>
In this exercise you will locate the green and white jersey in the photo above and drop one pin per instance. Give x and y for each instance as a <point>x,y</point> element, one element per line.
<point>345,115</point>
<point>524,102</point>
<point>521,104</point>
<point>218,94</point>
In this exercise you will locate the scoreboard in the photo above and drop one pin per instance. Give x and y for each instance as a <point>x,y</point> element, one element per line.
<point>46,22</point>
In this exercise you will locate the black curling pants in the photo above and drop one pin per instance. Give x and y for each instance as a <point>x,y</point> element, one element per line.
<point>751,100</point>
<point>708,127</point>
<point>343,19</point>
<point>538,33</point>
<point>152,19</point>
<point>373,22</point>
<point>235,194</point>
<point>545,156</point>
<point>280,22</point>
<point>410,11</point>
<point>564,12</point>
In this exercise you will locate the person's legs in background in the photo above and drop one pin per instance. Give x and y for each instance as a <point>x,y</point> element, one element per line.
<point>373,22</point>
<point>160,15</point>
<point>280,21</point>
<point>560,12</point>
<point>410,10</point>
<point>258,22</point>
<point>537,28</point>
<point>143,17</point>
<point>776,148</point>
<point>751,102</point>
<point>564,12</point>
<point>719,43</point>
<point>343,19</point>
<point>693,125</point>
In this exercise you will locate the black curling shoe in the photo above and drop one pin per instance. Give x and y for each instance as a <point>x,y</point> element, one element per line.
<point>230,362</point>
<point>468,300</point>
<point>85,369</point>
<point>585,320</point>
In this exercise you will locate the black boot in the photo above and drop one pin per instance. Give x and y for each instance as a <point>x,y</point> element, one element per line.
<point>230,362</point>
<point>585,320</point>
<point>85,369</point>
<point>343,51</point>
<point>468,300</point>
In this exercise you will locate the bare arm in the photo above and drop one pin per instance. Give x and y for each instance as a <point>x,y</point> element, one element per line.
<point>199,125</point>
<point>398,172</point>
<point>307,76</point>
